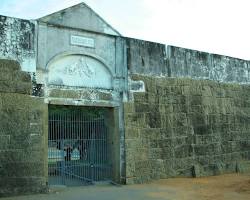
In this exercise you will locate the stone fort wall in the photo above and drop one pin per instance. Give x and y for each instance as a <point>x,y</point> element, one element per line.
<point>23,133</point>
<point>193,117</point>
<point>185,127</point>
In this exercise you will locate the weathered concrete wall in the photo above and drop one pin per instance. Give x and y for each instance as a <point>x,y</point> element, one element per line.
<point>146,57</point>
<point>155,59</point>
<point>201,65</point>
<point>17,42</point>
<point>23,134</point>
<point>184,127</point>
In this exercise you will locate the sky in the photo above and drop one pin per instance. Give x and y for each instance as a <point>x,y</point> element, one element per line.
<point>215,26</point>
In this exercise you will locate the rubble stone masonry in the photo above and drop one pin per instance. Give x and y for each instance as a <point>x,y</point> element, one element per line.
<point>184,127</point>
<point>23,134</point>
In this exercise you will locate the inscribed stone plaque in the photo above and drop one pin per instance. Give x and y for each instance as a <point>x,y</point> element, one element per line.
<point>82,41</point>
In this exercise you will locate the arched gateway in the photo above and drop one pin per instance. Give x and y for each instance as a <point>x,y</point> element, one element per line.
<point>79,137</point>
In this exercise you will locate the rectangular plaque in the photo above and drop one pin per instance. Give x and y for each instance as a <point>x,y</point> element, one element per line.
<point>82,41</point>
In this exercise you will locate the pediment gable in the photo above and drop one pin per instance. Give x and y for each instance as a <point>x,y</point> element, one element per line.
<point>80,16</point>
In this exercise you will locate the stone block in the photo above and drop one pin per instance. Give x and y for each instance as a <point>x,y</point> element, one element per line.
<point>210,149</point>
<point>243,167</point>
<point>195,100</point>
<point>142,107</point>
<point>183,151</point>
<point>21,76</point>
<point>132,133</point>
<point>184,172</point>
<point>140,97</point>
<point>129,107</point>
<point>25,169</point>
<point>4,141</point>
<point>197,171</point>
<point>219,168</point>
<point>25,185</point>
<point>10,65</point>
<point>202,130</point>
<point>153,119</point>
<point>131,180</point>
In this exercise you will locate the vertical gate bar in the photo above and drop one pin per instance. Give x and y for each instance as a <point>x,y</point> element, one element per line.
<point>56,152</point>
<point>79,147</point>
<point>96,148</point>
<point>86,148</point>
<point>85,132</point>
<point>88,170</point>
<point>69,140</point>
<point>54,135</point>
<point>49,154</point>
<point>59,138</point>
<point>94,151</point>
<point>51,167</point>
<point>60,149</point>
<point>74,143</point>
<point>72,111</point>
<point>51,137</point>
<point>99,147</point>
<point>100,133</point>
<point>83,156</point>
<point>66,142</point>
<point>102,149</point>
<point>50,157</point>
<point>89,146</point>
<point>74,167</point>
<point>81,151</point>
<point>106,152</point>
<point>93,147</point>
<point>105,149</point>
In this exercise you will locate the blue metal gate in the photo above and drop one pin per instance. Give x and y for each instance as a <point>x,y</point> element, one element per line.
<point>78,152</point>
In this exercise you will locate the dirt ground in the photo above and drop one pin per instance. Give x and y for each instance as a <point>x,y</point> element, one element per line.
<point>225,187</point>
<point>229,187</point>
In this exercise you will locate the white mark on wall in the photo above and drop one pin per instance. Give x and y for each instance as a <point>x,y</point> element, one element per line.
<point>136,86</point>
